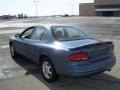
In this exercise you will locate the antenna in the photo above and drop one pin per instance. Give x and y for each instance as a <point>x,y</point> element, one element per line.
<point>36,5</point>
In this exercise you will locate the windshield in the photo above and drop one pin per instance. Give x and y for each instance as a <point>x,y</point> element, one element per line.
<point>68,33</point>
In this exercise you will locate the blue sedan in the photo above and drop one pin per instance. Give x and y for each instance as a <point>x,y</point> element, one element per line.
<point>63,50</point>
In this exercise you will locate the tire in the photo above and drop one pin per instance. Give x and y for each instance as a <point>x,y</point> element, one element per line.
<point>48,71</point>
<point>12,51</point>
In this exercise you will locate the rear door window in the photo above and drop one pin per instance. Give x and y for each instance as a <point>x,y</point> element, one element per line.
<point>37,34</point>
<point>44,36</point>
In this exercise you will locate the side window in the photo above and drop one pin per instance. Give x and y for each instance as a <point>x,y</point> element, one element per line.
<point>45,36</point>
<point>37,34</point>
<point>27,33</point>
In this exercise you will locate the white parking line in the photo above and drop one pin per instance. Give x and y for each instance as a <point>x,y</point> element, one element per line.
<point>4,46</point>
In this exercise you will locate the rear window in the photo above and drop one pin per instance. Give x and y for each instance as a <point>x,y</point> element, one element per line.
<point>68,33</point>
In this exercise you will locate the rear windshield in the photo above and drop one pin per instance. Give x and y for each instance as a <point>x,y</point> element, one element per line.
<point>68,33</point>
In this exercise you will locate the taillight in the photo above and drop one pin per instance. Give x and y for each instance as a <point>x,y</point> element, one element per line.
<point>80,56</point>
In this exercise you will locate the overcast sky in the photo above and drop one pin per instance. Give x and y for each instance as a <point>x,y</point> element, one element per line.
<point>45,7</point>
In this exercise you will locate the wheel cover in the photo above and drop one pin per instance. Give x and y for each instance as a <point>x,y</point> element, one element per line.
<point>47,70</point>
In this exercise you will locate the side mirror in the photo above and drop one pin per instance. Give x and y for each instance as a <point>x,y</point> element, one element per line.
<point>17,35</point>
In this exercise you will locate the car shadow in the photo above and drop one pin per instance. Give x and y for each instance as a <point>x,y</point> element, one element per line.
<point>98,82</point>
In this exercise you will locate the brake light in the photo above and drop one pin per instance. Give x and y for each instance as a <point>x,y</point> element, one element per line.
<point>80,56</point>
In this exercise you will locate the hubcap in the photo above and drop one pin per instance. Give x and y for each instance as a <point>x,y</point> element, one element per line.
<point>46,68</point>
<point>12,51</point>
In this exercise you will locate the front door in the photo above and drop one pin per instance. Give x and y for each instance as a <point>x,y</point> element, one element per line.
<point>23,41</point>
<point>33,44</point>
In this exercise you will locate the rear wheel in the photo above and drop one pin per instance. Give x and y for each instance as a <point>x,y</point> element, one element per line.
<point>12,51</point>
<point>48,71</point>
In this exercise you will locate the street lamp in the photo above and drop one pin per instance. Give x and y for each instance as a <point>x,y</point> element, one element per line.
<point>73,7</point>
<point>36,4</point>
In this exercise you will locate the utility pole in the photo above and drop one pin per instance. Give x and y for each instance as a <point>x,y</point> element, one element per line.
<point>36,5</point>
<point>73,2</point>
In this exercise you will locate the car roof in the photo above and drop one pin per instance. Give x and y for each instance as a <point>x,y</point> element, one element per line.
<point>50,25</point>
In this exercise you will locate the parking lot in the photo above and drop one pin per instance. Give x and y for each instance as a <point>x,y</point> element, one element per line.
<point>21,74</point>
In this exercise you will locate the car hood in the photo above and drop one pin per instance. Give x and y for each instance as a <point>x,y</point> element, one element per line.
<point>77,43</point>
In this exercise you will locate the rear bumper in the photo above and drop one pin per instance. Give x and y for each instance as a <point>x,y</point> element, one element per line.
<point>88,68</point>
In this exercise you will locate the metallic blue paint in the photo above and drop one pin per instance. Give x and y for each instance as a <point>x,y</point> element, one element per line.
<point>59,53</point>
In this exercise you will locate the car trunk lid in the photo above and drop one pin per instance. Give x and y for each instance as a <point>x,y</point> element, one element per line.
<point>96,50</point>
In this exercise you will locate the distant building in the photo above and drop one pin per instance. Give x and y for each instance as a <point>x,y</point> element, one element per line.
<point>100,8</point>
<point>87,9</point>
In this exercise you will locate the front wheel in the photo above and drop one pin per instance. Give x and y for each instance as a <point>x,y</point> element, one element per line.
<point>12,51</point>
<point>48,71</point>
